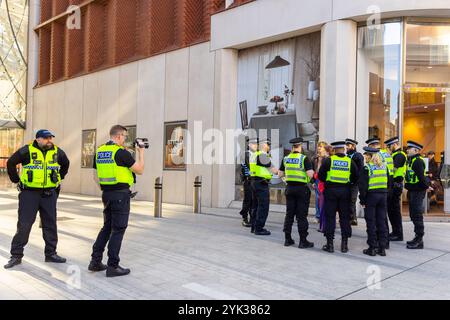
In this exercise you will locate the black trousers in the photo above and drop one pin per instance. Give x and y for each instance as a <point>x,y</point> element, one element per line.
<point>353,199</point>
<point>375,215</point>
<point>30,202</point>
<point>337,199</point>
<point>254,206</point>
<point>262,195</point>
<point>115,215</point>
<point>247,202</point>
<point>416,210</point>
<point>394,210</point>
<point>297,206</point>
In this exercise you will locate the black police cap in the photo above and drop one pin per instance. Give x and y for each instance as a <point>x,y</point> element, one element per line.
<point>338,144</point>
<point>371,150</point>
<point>413,144</point>
<point>373,141</point>
<point>391,141</point>
<point>351,141</point>
<point>296,141</point>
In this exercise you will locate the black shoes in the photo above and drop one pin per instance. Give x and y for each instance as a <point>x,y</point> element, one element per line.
<point>118,271</point>
<point>395,237</point>
<point>246,223</point>
<point>329,247</point>
<point>370,251</point>
<point>305,244</point>
<point>288,240</point>
<point>416,243</point>
<point>344,245</point>
<point>55,259</point>
<point>354,222</point>
<point>97,267</point>
<point>381,252</point>
<point>262,232</point>
<point>13,262</point>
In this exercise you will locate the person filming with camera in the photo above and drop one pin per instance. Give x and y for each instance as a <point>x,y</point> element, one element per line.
<point>116,174</point>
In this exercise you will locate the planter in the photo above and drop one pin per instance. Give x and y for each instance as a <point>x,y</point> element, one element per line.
<point>311,89</point>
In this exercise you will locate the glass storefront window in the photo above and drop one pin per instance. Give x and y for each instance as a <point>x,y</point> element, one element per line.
<point>426,96</point>
<point>13,63</point>
<point>379,80</point>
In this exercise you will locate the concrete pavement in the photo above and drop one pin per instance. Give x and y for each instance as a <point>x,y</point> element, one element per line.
<point>210,256</point>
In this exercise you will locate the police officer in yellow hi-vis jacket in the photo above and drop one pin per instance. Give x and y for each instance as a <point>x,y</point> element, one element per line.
<point>298,170</point>
<point>115,173</point>
<point>44,166</point>
<point>262,170</point>
<point>339,173</point>
<point>399,159</point>
<point>373,190</point>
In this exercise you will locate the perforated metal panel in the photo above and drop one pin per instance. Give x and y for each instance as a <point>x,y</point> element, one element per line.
<point>117,31</point>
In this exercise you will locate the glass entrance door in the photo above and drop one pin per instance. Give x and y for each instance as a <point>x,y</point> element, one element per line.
<point>426,97</point>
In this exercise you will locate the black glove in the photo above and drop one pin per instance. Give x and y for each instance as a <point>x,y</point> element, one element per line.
<point>20,186</point>
<point>397,188</point>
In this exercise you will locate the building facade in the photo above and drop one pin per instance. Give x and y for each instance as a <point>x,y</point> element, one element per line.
<point>324,69</point>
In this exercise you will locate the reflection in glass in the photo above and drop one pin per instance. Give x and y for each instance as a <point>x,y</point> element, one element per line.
<point>426,96</point>
<point>379,70</point>
<point>13,64</point>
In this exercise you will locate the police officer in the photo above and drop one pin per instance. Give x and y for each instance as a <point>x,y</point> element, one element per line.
<point>394,209</point>
<point>298,170</point>
<point>373,187</point>
<point>115,173</point>
<point>359,161</point>
<point>246,179</point>
<point>44,165</point>
<point>417,185</point>
<point>387,159</point>
<point>261,165</point>
<point>338,172</point>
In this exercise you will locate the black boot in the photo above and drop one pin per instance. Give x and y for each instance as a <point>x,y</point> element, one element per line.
<point>55,259</point>
<point>344,245</point>
<point>371,251</point>
<point>288,240</point>
<point>246,223</point>
<point>395,237</point>
<point>13,262</point>
<point>418,244</point>
<point>97,266</point>
<point>416,238</point>
<point>388,246</point>
<point>304,243</point>
<point>116,272</point>
<point>329,247</point>
<point>381,252</point>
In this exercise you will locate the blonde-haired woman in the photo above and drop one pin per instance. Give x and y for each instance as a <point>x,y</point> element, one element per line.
<point>373,191</point>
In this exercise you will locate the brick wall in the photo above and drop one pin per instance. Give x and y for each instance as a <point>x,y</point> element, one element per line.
<point>117,31</point>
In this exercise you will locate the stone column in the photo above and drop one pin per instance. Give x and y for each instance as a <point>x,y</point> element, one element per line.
<point>338,80</point>
<point>225,108</point>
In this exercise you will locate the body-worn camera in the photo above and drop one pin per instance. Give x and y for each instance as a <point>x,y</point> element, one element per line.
<point>54,176</point>
<point>142,143</point>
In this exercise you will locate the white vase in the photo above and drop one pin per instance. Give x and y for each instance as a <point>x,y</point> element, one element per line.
<point>316,95</point>
<point>311,88</point>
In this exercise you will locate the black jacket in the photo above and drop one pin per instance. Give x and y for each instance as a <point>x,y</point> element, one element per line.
<point>22,156</point>
<point>358,158</point>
